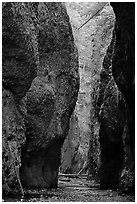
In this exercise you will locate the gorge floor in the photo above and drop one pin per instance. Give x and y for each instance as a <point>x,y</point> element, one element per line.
<point>73,190</point>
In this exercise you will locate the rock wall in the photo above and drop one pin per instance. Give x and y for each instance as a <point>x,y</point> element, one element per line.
<point>70,149</point>
<point>92,41</point>
<point>123,67</point>
<point>117,112</point>
<point>19,65</point>
<point>37,42</point>
<point>51,98</point>
<point>97,96</point>
<point>20,50</point>
<point>112,121</point>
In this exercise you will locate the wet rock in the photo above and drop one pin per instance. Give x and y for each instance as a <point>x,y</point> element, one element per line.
<point>51,98</point>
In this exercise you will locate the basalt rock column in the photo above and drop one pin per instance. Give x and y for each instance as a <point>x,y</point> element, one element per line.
<point>51,98</point>
<point>19,65</point>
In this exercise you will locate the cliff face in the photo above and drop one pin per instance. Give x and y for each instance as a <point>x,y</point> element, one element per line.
<point>51,98</point>
<point>19,65</point>
<point>13,137</point>
<point>123,68</point>
<point>117,112</point>
<point>19,47</point>
<point>92,41</point>
<point>70,149</point>
<point>37,41</point>
<point>112,121</point>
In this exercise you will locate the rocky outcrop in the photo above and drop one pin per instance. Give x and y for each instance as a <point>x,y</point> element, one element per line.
<point>19,65</point>
<point>51,98</point>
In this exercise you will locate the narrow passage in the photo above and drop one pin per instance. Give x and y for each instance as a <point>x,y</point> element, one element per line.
<point>73,190</point>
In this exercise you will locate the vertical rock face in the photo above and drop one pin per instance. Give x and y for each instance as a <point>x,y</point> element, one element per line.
<point>96,145</point>
<point>19,47</point>
<point>123,67</point>
<point>70,150</point>
<point>117,113</point>
<point>124,51</point>
<point>105,74</point>
<point>37,41</point>
<point>112,118</point>
<point>19,64</point>
<point>92,41</point>
<point>51,98</point>
<point>13,137</point>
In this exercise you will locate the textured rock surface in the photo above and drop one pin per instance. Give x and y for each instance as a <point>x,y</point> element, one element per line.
<point>19,64</point>
<point>105,74</point>
<point>112,120</point>
<point>112,117</point>
<point>39,36</point>
<point>94,154</point>
<point>123,67</point>
<point>19,47</point>
<point>51,98</point>
<point>92,41</point>
<point>72,152</point>
<point>13,137</point>
<point>117,113</point>
<point>36,37</point>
